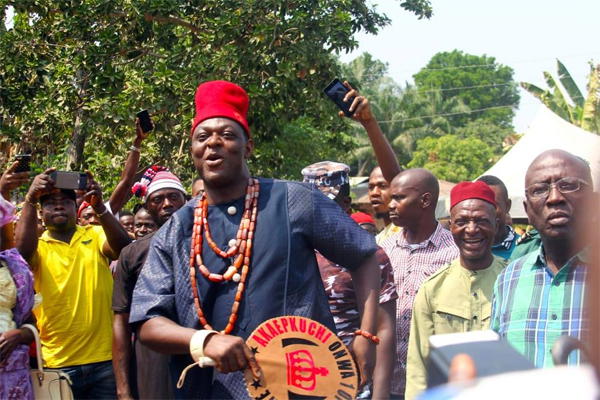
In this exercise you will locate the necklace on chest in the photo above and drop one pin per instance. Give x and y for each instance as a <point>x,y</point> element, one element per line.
<point>240,250</point>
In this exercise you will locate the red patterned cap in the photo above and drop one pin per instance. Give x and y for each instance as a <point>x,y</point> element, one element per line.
<point>221,99</point>
<point>472,190</point>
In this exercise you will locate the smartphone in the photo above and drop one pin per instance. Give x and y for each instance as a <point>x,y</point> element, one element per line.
<point>69,180</point>
<point>23,165</point>
<point>145,121</point>
<point>336,92</point>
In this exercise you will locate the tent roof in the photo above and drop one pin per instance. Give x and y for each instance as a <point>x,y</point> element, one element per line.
<point>547,131</point>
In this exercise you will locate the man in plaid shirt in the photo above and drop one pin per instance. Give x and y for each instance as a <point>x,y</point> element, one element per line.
<point>540,296</point>
<point>420,249</point>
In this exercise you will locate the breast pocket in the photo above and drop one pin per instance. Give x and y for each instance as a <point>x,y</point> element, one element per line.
<point>449,320</point>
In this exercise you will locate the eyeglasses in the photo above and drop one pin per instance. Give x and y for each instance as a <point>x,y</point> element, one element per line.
<point>564,185</point>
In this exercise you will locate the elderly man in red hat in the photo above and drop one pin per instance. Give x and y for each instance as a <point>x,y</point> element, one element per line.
<point>457,298</point>
<point>241,253</point>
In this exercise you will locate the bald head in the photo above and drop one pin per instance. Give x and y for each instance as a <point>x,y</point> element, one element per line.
<point>562,159</point>
<point>421,180</point>
<point>414,194</point>
<point>558,198</point>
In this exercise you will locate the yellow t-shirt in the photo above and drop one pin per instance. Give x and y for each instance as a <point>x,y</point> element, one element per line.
<point>388,231</point>
<point>75,316</point>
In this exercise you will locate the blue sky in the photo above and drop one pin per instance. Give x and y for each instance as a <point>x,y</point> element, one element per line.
<point>527,35</point>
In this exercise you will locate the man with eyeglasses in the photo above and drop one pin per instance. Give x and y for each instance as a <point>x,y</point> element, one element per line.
<point>540,296</point>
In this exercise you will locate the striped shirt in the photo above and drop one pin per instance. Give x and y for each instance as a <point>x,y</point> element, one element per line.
<point>412,265</point>
<point>532,307</point>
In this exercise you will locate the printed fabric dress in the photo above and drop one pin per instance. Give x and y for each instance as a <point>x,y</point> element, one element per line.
<point>16,302</point>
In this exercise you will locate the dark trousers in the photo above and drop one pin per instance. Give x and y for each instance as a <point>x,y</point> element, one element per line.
<point>92,381</point>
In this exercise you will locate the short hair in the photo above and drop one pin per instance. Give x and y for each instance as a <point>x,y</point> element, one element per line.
<point>492,180</point>
<point>125,213</point>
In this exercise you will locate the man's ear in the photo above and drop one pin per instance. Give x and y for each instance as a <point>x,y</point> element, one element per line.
<point>508,205</point>
<point>249,148</point>
<point>425,200</point>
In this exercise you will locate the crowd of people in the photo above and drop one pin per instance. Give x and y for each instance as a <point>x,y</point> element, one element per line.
<point>125,301</point>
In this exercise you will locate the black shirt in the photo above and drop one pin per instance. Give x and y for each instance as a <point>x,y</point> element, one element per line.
<point>128,269</point>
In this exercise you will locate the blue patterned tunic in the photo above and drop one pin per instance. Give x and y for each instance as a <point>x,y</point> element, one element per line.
<point>293,220</point>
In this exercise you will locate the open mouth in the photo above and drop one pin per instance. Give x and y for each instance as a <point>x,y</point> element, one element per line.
<point>214,160</point>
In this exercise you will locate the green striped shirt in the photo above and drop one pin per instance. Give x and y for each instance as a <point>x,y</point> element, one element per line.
<point>532,307</point>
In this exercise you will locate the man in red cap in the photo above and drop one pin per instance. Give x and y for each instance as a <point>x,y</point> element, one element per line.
<point>365,221</point>
<point>242,253</point>
<point>458,297</point>
<point>163,195</point>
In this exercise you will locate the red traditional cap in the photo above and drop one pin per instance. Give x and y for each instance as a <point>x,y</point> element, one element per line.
<point>362,218</point>
<point>84,204</point>
<point>221,99</point>
<point>472,190</point>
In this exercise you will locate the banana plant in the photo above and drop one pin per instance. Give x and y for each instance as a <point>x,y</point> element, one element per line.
<point>566,100</point>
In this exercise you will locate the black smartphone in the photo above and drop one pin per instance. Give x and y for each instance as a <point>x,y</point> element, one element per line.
<point>69,180</point>
<point>336,92</point>
<point>145,121</point>
<point>23,165</point>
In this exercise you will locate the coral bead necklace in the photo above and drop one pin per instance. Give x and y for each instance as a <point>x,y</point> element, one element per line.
<point>241,251</point>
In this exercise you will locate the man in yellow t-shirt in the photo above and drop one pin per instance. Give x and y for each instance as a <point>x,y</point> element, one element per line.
<point>70,266</point>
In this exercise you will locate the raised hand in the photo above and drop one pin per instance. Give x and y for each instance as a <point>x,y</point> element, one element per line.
<point>10,180</point>
<point>360,106</point>
<point>94,194</point>
<point>42,184</point>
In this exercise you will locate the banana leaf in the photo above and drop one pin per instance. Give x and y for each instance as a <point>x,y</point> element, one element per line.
<point>569,84</point>
<point>548,99</point>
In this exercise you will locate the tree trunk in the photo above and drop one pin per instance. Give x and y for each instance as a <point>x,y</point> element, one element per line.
<point>77,144</point>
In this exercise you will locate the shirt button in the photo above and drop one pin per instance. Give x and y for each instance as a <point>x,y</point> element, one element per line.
<point>406,292</point>
<point>475,317</point>
<point>474,294</point>
<point>405,318</point>
<point>554,316</point>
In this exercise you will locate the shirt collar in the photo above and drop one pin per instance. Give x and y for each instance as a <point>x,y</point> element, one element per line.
<point>79,231</point>
<point>581,258</point>
<point>434,239</point>
<point>508,240</point>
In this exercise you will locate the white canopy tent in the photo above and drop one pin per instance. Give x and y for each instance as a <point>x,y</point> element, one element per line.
<point>547,131</point>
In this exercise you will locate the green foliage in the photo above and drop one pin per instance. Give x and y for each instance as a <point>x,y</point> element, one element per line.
<point>304,144</point>
<point>452,158</point>
<point>75,73</point>
<point>487,132</point>
<point>567,101</point>
<point>435,109</point>
<point>479,81</point>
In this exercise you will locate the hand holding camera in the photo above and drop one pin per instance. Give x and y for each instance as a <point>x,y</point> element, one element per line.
<point>94,194</point>
<point>12,178</point>
<point>41,185</point>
